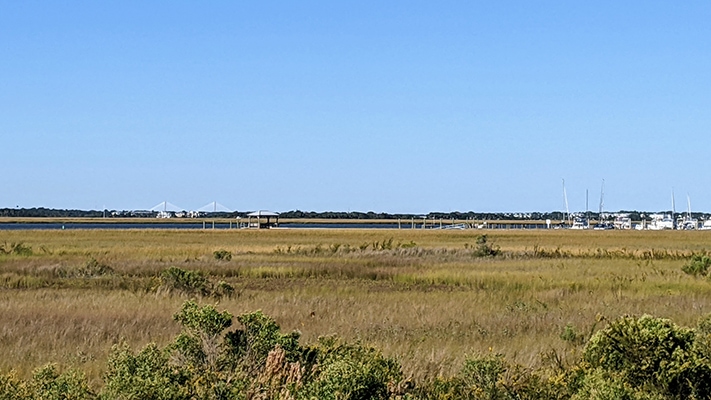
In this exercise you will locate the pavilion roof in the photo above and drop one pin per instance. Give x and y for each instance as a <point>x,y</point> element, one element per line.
<point>263,213</point>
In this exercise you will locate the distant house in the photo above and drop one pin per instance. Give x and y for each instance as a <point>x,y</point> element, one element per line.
<point>263,219</point>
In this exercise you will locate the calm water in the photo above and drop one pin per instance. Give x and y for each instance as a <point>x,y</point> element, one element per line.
<point>60,226</point>
<point>197,225</point>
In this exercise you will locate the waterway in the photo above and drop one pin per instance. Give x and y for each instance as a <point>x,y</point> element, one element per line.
<point>197,225</point>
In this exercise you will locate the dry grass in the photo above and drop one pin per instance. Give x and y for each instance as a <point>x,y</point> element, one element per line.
<point>429,305</point>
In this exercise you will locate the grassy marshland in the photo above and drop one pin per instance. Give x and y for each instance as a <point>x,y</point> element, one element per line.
<point>425,297</point>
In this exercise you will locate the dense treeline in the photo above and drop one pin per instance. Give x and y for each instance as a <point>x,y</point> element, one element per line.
<point>470,215</point>
<point>352,215</point>
<point>48,212</point>
<point>342,215</point>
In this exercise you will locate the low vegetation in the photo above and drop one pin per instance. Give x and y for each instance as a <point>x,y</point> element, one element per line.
<point>19,249</point>
<point>632,358</point>
<point>697,265</point>
<point>192,283</point>
<point>365,314</point>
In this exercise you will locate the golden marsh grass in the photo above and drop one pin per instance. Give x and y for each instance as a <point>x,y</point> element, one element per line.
<point>424,298</point>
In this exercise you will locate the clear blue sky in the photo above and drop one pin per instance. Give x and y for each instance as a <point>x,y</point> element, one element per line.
<point>410,106</point>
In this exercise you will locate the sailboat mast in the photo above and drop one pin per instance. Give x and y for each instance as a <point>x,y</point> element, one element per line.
<point>602,199</point>
<point>673,210</point>
<point>565,198</point>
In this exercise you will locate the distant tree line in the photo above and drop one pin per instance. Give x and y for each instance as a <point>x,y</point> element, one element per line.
<point>554,216</point>
<point>62,213</point>
<point>48,212</point>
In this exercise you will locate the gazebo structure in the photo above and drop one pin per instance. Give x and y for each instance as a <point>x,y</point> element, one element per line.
<point>263,219</point>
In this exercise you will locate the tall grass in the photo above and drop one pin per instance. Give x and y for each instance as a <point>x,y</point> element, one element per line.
<point>427,297</point>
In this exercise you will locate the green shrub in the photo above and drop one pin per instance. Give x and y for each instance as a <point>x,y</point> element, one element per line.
<point>483,375</point>
<point>223,289</point>
<point>703,326</point>
<point>147,374</point>
<point>192,283</point>
<point>199,348</point>
<point>188,282</point>
<point>95,268</point>
<point>222,255</point>
<point>492,378</point>
<point>697,265</point>
<point>571,336</point>
<point>484,249</point>
<point>601,385</point>
<point>203,321</point>
<point>257,359</point>
<point>47,383</point>
<point>18,249</point>
<point>13,388</point>
<point>648,351</point>
<point>351,371</point>
<point>191,367</point>
<point>249,347</point>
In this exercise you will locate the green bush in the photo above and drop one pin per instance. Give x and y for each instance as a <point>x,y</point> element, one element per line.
<point>18,249</point>
<point>249,347</point>
<point>223,289</point>
<point>483,376</point>
<point>571,336</point>
<point>94,268</point>
<point>492,378</point>
<point>351,371</point>
<point>147,374</point>
<point>200,341</point>
<point>222,255</point>
<point>183,281</point>
<point>192,283</point>
<point>601,385</point>
<point>653,352</point>
<point>697,265</point>
<point>11,387</point>
<point>484,249</point>
<point>703,326</point>
<point>203,321</point>
<point>258,361</point>
<point>47,383</point>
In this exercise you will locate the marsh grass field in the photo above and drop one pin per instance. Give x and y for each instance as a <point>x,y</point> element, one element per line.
<point>429,298</point>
